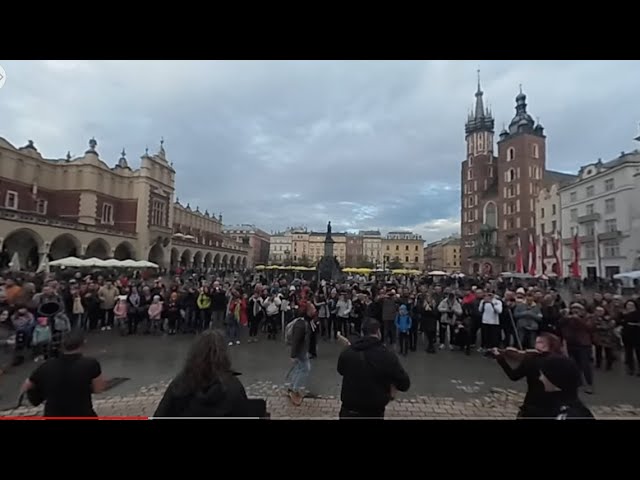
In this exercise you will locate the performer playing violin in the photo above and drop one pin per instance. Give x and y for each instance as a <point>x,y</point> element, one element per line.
<point>519,364</point>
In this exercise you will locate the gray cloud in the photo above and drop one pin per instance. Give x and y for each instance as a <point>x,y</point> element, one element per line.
<point>367,144</point>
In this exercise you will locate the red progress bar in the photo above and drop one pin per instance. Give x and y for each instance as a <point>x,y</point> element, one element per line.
<point>74,418</point>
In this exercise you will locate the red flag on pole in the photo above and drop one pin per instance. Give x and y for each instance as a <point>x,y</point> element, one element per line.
<point>532,256</point>
<point>575,265</point>
<point>557,253</point>
<point>519,259</point>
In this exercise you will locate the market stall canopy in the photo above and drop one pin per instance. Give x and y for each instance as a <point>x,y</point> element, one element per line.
<point>68,262</point>
<point>437,273</point>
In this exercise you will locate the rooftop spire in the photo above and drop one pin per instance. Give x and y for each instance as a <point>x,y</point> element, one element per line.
<point>479,113</point>
<point>480,119</point>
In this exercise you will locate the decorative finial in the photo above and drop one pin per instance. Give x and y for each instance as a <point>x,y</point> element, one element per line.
<point>161,142</point>
<point>206,213</point>
<point>68,155</point>
<point>520,85</point>
<point>478,78</point>
<point>146,151</point>
<point>93,143</point>
<point>177,199</point>
<point>188,206</point>
<point>123,153</point>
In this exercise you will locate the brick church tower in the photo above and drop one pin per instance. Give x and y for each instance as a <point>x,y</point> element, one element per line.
<point>521,174</point>
<point>479,193</point>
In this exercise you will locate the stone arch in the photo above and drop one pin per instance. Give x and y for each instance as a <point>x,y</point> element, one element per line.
<point>232,262</point>
<point>476,268</point>
<point>124,251</point>
<point>156,255</point>
<point>225,259</point>
<point>207,260</point>
<point>244,262</point>
<point>98,248</point>
<point>175,257</point>
<point>65,245</point>
<point>27,244</point>
<point>490,214</point>
<point>197,259</point>
<point>239,262</point>
<point>185,259</point>
<point>216,261</point>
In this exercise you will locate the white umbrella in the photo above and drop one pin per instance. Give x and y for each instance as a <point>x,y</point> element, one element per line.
<point>437,273</point>
<point>112,263</point>
<point>93,262</point>
<point>128,263</point>
<point>15,263</point>
<point>71,262</point>
<point>146,264</point>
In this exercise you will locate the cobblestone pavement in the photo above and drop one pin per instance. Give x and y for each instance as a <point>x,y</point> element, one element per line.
<point>499,404</point>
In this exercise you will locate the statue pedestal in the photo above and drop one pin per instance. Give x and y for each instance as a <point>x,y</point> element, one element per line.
<point>328,269</point>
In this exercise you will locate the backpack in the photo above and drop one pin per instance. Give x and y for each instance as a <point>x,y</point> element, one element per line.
<point>288,330</point>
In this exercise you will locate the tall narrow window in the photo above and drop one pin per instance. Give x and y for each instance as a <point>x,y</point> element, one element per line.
<point>107,213</point>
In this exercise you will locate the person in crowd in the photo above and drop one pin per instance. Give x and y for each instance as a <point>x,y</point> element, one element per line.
<point>344,313</point>
<point>134,310</point>
<point>206,386</point>
<point>190,306</point>
<point>218,306</point>
<point>23,324</point>
<point>332,324</point>
<point>371,374</point>
<point>450,309</point>
<point>429,321</point>
<point>121,314</point>
<point>604,337</point>
<point>204,307</point>
<point>630,321</point>
<point>490,308</point>
<point>255,312</point>
<point>107,295</point>
<point>77,309</point>
<point>299,338</point>
<point>577,330</point>
<point>507,320</point>
<point>357,312</point>
<point>233,318</point>
<point>41,339</point>
<point>560,377</point>
<point>172,313</point>
<point>65,384</point>
<point>272,310</point>
<point>403,325</point>
<point>518,364</point>
<point>528,318</point>
<point>322,308</point>
<point>550,315</point>
<point>155,315</point>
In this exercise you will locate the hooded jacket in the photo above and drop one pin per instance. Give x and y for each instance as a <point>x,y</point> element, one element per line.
<point>369,370</point>
<point>403,320</point>
<point>223,398</point>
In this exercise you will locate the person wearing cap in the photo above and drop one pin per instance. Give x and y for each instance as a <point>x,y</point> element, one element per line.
<point>528,317</point>
<point>577,329</point>
<point>561,378</point>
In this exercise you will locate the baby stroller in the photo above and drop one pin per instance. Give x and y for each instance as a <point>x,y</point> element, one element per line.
<point>58,322</point>
<point>461,336</point>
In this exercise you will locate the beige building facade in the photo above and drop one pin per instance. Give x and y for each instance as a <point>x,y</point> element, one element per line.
<point>443,255</point>
<point>54,208</point>
<point>372,247</point>
<point>299,246</point>
<point>257,239</point>
<point>404,247</point>
<point>547,229</point>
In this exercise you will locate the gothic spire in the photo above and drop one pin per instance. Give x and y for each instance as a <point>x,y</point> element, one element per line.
<point>479,112</point>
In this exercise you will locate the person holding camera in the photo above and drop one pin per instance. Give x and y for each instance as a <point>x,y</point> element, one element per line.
<point>490,308</point>
<point>450,309</point>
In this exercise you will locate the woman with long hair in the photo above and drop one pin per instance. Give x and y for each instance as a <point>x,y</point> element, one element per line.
<point>206,386</point>
<point>527,365</point>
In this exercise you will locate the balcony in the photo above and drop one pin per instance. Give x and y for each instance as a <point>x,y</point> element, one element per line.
<point>610,235</point>
<point>592,217</point>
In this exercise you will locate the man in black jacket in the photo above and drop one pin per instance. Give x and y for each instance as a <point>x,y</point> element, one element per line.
<point>561,379</point>
<point>301,366</point>
<point>370,373</point>
<point>218,306</point>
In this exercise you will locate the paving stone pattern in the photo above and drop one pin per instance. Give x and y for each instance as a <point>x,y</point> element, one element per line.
<point>499,404</point>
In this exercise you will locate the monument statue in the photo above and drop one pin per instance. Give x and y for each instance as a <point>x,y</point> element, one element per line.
<point>328,267</point>
<point>329,230</point>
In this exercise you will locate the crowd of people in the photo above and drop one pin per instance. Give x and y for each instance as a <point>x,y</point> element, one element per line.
<point>491,316</point>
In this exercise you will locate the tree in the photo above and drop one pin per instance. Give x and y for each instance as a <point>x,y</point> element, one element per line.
<point>304,261</point>
<point>395,264</point>
<point>364,262</point>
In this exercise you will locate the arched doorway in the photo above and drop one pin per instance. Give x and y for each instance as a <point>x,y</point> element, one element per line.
<point>232,262</point>
<point>476,268</point>
<point>225,259</point>
<point>124,251</point>
<point>197,260</point>
<point>98,248</point>
<point>239,263</point>
<point>185,259</point>
<point>156,255</point>
<point>244,263</point>
<point>175,258</point>
<point>27,244</point>
<point>63,246</point>
<point>207,260</point>
<point>216,261</point>
<point>490,215</point>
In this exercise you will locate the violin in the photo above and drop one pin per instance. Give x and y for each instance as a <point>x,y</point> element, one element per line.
<point>512,353</point>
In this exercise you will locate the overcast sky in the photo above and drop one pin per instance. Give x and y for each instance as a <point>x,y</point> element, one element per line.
<point>365,144</point>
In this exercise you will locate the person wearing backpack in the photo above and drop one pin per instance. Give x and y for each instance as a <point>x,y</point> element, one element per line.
<point>298,337</point>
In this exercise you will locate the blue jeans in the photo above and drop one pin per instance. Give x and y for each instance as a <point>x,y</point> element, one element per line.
<point>299,373</point>
<point>232,330</point>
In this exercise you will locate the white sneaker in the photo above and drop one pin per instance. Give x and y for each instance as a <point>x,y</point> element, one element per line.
<point>450,347</point>
<point>231,344</point>
<point>103,328</point>
<point>237,342</point>
<point>109,328</point>
<point>442,346</point>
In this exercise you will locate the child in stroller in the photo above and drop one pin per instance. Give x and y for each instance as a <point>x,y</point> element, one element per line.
<point>461,336</point>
